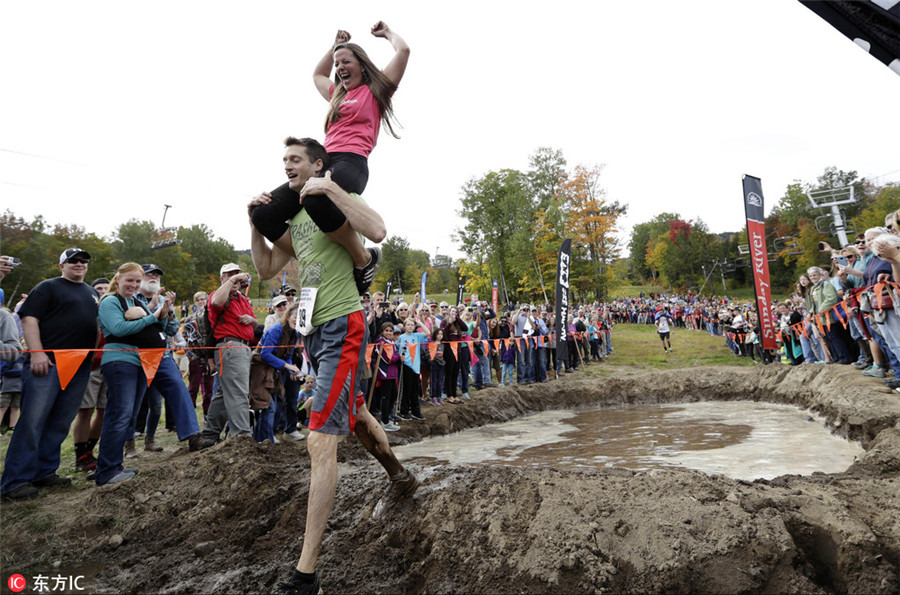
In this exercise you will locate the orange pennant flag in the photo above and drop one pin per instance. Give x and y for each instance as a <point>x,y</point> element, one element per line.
<point>413,349</point>
<point>497,344</point>
<point>471,347</point>
<point>370,348</point>
<point>486,346</point>
<point>389,350</point>
<point>454,347</point>
<point>67,363</point>
<point>507,341</point>
<point>432,349</point>
<point>150,359</point>
<point>819,324</point>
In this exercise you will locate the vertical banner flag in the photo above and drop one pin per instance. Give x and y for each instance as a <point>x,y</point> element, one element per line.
<point>422,291</point>
<point>460,289</point>
<point>387,291</point>
<point>759,258</point>
<point>562,299</point>
<point>494,295</point>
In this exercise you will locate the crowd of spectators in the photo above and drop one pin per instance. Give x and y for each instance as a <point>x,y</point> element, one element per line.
<point>255,380</point>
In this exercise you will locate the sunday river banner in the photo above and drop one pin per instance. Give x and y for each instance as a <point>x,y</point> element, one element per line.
<point>759,258</point>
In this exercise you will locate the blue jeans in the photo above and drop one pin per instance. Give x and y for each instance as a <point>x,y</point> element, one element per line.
<point>524,365</point>
<point>437,381</point>
<point>483,371</point>
<point>170,384</point>
<point>286,418</point>
<point>46,413</point>
<point>464,365</point>
<point>265,423</point>
<point>540,365</point>
<point>125,387</point>
<point>887,341</point>
<point>154,411</point>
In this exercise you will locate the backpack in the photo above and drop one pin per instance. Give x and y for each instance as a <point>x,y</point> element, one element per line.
<point>199,333</point>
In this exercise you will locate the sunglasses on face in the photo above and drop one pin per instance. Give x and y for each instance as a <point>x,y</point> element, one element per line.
<point>78,261</point>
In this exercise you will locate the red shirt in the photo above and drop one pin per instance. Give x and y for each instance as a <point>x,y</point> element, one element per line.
<point>230,327</point>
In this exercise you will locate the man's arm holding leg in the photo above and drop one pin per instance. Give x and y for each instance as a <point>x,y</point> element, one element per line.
<point>268,260</point>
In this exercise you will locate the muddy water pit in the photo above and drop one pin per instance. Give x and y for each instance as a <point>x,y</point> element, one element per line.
<point>230,519</point>
<point>739,439</point>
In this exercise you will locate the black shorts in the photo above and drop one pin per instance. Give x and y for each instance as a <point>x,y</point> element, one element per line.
<point>663,336</point>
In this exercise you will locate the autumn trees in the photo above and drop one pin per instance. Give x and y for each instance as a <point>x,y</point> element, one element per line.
<point>678,253</point>
<point>515,222</point>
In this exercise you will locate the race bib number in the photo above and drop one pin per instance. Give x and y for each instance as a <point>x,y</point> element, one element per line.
<point>307,301</point>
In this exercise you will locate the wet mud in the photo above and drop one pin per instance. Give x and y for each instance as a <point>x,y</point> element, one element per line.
<point>230,519</point>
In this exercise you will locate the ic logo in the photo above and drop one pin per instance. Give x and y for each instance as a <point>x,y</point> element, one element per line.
<point>754,199</point>
<point>16,583</point>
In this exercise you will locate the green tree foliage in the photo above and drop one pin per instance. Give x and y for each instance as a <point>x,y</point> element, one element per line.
<point>516,221</point>
<point>39,246</point>
<point>394,264</point>
<point>499,211</point>
<point>192,266</point>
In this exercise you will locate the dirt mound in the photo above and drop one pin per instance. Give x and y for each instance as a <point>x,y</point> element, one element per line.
<point>230,519</point>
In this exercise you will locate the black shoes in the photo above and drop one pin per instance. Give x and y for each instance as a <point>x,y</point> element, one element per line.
<point>296,586</point>
<point>21,493</point>
<point>366,275</point>
<point>51,482</point>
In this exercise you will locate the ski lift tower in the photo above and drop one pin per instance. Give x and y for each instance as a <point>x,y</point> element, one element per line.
<point>833,198</point>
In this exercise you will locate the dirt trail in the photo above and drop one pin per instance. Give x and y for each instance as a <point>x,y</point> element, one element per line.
<point>230,519</point>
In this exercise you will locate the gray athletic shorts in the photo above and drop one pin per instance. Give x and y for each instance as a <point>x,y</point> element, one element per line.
<point>11,399</point>
<point>95,393</point>
<point>336,351</point>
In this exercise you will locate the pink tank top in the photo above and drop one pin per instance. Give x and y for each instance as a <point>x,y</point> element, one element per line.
<point>356,131</point>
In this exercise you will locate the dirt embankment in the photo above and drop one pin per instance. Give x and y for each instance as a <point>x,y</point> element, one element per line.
<point>230,519</point>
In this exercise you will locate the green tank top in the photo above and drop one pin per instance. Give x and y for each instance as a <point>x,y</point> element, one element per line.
<point>326,266</point>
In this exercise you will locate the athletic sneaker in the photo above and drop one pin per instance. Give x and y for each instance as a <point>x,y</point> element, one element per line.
<point>296,586</point>
<point>874,371</point>
<point>297,435</point>
<point>86,462</point>
<point>391,427</point>
<point>417,417</point>
<point>366,275</point>
<point>466,396</point>
<point>121,476</point>
<point>404,484</point>
<point>861,365</point>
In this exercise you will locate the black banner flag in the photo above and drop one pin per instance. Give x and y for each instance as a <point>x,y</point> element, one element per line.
<point>562,299</point>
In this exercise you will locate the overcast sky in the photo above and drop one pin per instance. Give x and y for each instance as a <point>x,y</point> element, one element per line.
<point>112,109</point>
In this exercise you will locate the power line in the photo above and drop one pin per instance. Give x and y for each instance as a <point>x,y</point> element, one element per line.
<point>40,156</point>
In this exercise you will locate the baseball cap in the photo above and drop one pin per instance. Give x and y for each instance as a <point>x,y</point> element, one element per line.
<point>151,268</point>
<point>279,300</point>
<point>286,289</point>
<point>70,252</point>
<point>99,280</point>
<point>228,268</point>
